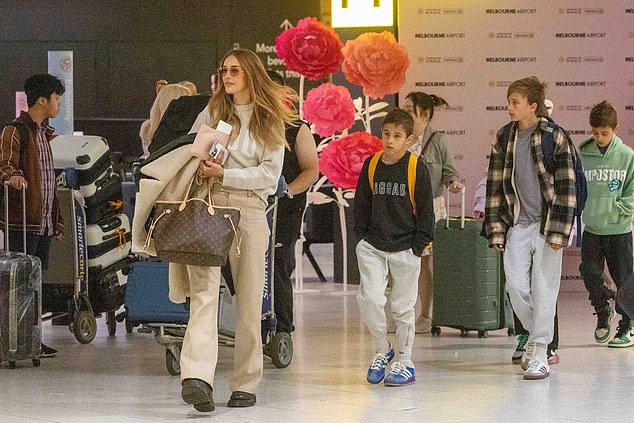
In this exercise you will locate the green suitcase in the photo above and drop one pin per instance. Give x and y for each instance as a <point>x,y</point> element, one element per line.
<point>468,278</point>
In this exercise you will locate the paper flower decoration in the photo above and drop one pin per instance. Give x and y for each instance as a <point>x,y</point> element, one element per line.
<point>310,48</point>
<point>330,108</point>
<point>377,62</point>
<point>342,159</point>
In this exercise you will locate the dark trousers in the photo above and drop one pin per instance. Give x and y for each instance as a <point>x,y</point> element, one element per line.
<point>36,245</point>
<point>520,330</point>
<point>289,223</point>
<point>282,285</point>
<point>596,250</point>
<point>625,296</point>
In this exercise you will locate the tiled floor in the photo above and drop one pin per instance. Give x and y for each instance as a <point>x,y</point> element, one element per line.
<point>123,378</point>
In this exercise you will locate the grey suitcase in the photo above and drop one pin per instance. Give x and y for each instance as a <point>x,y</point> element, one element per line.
<point>20,302</point>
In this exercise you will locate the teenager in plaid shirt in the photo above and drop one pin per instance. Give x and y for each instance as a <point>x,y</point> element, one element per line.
<point>529,215</point>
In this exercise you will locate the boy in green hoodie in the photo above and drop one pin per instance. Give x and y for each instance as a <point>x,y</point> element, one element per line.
<point>609,167</point>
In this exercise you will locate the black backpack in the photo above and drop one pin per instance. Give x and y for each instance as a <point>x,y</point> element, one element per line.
<point>548,151</point>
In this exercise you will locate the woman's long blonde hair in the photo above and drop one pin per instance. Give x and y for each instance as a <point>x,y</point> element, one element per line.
<point>272,103</point>
<point>163,99</point>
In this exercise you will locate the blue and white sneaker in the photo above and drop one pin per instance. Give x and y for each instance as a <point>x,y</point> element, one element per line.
<point>376,372</point>
<point>400,375</point>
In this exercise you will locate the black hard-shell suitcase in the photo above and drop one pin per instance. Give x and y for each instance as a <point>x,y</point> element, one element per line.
<point>20,303</point>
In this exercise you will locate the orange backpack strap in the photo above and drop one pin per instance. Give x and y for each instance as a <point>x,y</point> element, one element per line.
<point>411,178</point>
<point>373,162</point>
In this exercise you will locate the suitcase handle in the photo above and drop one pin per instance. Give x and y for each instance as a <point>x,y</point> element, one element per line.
<point>6,217</point>
<point>462,194</point>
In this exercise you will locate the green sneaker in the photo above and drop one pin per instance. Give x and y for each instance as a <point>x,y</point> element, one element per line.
<point>624,336</point>
<point>605,314</point>
<point>522,339</point>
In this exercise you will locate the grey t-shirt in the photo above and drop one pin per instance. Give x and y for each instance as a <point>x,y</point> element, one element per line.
<point>526,179</point>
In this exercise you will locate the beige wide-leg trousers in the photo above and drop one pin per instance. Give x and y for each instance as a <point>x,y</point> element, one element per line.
<point>200,347</point>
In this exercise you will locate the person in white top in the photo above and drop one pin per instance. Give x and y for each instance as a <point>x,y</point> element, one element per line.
<point>257,109</point>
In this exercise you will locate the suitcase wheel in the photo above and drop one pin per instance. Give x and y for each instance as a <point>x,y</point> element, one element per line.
<point>172,363</point>
<point>435,330</point>
<point>464,333</point>
<point>483,334</point>
<point>36,362</point>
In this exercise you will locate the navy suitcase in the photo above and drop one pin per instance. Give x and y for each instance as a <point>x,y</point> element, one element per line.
<point>147,295</point>
<point>20,302</point>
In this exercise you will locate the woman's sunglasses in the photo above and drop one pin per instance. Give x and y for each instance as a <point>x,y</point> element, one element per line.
<point>233,71</point>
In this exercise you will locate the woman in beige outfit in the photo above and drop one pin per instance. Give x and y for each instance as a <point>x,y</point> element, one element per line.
<point>256,108</point>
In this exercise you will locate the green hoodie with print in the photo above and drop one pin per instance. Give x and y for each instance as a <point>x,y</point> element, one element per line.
<point>610,203</point>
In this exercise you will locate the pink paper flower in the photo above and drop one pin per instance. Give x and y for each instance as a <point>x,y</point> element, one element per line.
<point>342,159</point>
<point>330,108</point>
<point>377,62</point>
<point>310,48</point>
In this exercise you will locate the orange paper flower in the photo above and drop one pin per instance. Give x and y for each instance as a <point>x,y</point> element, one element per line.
<point>341,160</point>
<point>377,62</point>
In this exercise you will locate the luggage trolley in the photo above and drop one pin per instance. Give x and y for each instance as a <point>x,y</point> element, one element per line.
<point>278,346</point>
<point>75,305</point>
<point>147,303</point>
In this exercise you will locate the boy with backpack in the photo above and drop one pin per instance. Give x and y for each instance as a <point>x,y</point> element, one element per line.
<point>394,223</point>
<point>531,201</point>
<point>26,162</point>
<point>609,166</point>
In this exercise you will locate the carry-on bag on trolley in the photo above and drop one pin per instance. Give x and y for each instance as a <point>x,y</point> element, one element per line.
<point>20,299</point>
<point>108,190</point>
<point>104,210</point>
<point>468,277</point>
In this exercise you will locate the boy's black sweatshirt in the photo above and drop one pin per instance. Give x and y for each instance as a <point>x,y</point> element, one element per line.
<point>384,216</point>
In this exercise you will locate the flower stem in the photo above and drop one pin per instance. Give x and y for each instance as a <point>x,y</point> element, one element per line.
<point>368,129</point>
<point>301,97</point>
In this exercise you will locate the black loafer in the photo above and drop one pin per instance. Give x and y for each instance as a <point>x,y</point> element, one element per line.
<point>198,393</point>
<point>241,399</point>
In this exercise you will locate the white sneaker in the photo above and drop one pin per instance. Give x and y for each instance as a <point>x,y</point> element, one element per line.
<point>529,354</point>
<point>422,325</point>
<point>537,369</point>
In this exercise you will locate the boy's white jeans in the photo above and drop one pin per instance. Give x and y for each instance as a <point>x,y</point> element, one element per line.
<point>403,268</point>
<point>533,273</point>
